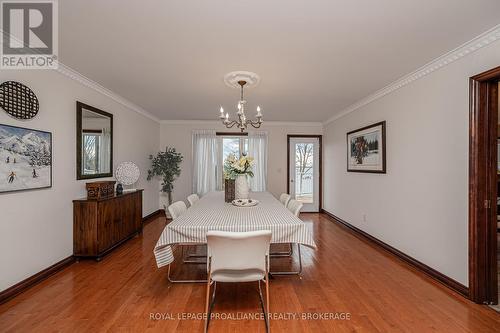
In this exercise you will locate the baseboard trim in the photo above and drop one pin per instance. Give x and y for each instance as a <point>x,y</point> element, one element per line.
<point>429,271</point>
<point>24,285</point>
<point>153,216</point>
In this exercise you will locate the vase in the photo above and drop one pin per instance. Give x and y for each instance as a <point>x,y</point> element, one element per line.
<point>228,190</point>
<point>119,189</point>
<point>241,187</point>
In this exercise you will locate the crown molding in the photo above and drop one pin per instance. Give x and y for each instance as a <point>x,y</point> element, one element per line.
<point>219,124</point>
<point>463,50</point>
<point>82,79</point>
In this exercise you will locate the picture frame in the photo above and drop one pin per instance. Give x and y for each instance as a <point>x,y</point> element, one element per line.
<point>25,159</point>
<point>366,149</point>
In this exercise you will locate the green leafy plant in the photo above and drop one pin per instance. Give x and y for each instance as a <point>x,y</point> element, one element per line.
<point>166,164</point>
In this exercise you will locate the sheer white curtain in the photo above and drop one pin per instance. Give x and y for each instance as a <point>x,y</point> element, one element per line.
<point>205,161</point>
<point>257,148</point>
<point>105,151</point>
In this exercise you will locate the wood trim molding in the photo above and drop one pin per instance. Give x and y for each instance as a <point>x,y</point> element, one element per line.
<point>25,284</point>
<point>231,134</point>
<point>483,40</point>
<point>320,138</point>
<point>153,216</point>
<point>483,127</point>
<point>431,272</point>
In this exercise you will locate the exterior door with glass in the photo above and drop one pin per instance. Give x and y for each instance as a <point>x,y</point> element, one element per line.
<point>304,172</point>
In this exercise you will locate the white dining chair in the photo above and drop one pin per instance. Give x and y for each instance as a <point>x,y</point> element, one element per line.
<point>237,257</point>
<point>295,206</point>
<point>177,209</point>
<point>193,198</point>
<point>284,199</point>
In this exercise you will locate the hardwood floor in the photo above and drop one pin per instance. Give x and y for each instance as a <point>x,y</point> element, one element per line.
<point>345,275</point>
<point>497,306</point>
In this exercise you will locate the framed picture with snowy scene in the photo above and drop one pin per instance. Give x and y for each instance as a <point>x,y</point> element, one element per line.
<point>366,149</point>
<point>25,159</point>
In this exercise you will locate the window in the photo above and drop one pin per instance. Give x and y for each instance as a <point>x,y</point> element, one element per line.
<point>236,145</point>
<point>90,153</point>
<point>210,149</point>
<point>304,172</point>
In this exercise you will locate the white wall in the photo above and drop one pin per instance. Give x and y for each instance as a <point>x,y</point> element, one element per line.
<point>36,227</point>
<point>178,135</point>
<point>420,205</point>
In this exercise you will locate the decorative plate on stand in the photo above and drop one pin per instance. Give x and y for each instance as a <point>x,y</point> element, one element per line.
<point>127,173</point>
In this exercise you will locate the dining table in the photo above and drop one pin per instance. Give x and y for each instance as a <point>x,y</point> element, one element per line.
<point>211,212</point>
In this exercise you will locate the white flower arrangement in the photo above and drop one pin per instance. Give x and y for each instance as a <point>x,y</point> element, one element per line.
<point>234,167</point>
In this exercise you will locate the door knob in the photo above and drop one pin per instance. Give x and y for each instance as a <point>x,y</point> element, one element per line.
<point>291,180</point>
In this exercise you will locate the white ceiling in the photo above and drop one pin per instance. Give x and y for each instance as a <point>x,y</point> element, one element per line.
<point>314,57</point>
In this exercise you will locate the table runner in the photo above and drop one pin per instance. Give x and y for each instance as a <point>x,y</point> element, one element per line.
<point>212,213</point>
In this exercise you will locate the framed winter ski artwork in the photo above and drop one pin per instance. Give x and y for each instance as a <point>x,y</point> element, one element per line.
<point>366,149</point>
<point>25,159</point>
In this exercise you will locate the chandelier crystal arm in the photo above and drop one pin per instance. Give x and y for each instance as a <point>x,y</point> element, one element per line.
<point>230,123</point>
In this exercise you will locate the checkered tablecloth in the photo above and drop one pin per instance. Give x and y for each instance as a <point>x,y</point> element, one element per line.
<point>212,213</point>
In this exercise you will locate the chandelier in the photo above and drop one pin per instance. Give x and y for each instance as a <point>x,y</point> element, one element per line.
<point>242,122</point>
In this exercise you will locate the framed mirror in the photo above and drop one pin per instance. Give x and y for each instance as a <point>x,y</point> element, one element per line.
<point>94,142</point>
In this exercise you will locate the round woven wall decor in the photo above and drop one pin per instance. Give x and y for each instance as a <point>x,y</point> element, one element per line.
<point>18,100</point>
<point>127,173</point>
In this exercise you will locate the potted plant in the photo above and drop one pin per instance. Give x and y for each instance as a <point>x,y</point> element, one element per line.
<point>166,164</point>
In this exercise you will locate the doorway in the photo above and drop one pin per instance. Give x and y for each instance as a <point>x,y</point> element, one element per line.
<point>483,183</point>
<point>304,171</point>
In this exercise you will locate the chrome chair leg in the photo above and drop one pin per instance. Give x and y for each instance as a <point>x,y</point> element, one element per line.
<point>266,312</point>
<point>211,307</point>
<point>207,300</point>
<point>298,272</point>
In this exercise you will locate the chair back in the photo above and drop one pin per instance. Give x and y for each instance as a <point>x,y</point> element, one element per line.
<point>284,199</point>
<point>193,198</point>
<point>238,250</point>
<point>295,206</point>
<point>177,209</point>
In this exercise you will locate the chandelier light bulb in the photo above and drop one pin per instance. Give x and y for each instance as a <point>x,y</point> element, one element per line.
<point>221,110</point>
<point>227,116</point>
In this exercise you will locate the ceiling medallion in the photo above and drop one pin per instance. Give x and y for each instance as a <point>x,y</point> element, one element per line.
<point>240,79</point>
<point>232,79</point>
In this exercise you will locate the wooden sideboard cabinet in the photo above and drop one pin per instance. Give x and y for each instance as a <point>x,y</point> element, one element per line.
<point>99,225</point>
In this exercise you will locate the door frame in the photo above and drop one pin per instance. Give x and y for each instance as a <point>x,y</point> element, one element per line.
<point>483,128</point>
<point>320,139</point>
